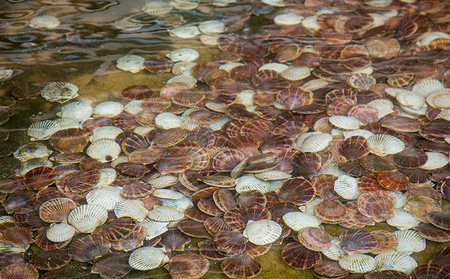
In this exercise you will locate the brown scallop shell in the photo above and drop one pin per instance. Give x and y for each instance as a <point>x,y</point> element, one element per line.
<point>227,160</point>
<point>329,269</point>
<point>126,121</point>
<point>429,271</point>
<point>306,164</point>
<point>393,180</point>
<point>324,185</point>
<point>209,207</point>
<point>330,211</point>
<point>297,191</point>
<point>17,200</point>
<point>188,98</point>
<point>56,210</point>
<point>158,64</point>
<point>239,112</point>
<point>89,247</point>
<point>439,219</point>
<point>52,259</point>
<point>39,178</point>
<point>195,214</point>
<point>174,239</point>
<point>354,219</point>
<point>340,106</point>
<point>193,228</point>
<point>387,241</point>
<point>174,162</point>
<point>247,145</point>
<point>137,189</point>
<point>292,129</point>
<point>377,205</point>
<point>376,164</point>
<point>369,184</point>
<point>241,266</point>
<point>432,233</point>
<point>258,130</point>
<point>208,250</point>
<point>314,238</point>
<point>214,225</point>
<point>293,98</point>
<point>112,265</point>
<point>357,241</point>
<point>272,86</point>
<point>118,229</point>
<point>298,256</point>
<point>42,241</point>
<point>421,206</point>
<point>224,199</point>
<point>137,92</point>
<point>71,140</point>
<point>81,181</point>
<point>442,257</point>
<point>230,242</point>
<point>15,234</point>
<point>20,270</point>
<point>188,266</point>
<point>361,81</point>
<point>133,142</point>
<point>354,148</point>
<point>251,198</point>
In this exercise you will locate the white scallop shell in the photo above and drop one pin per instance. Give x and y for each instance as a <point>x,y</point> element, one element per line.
<point>163,181</point>
<point>105,132</point>
<point>394,91</point>
<point>107,197</point>
<point>157,7</point>
<point>85,218</point>
<point>59,232</point>
<point>444,114</point>
<point>183,68</point>
<point>184,32</point>
<point>411,99</point>
<point>106,177</point>
<point>78,111</point>
<point>212,27</point>
<point>108,109</point>
<point>32,150</point>
<point>309,206</point>
<point>331,168</point>
<point>276,185</point>
<point>6,219</point>
<point>187,79</point>
<point>383,106</point>
<point>34,163</point>
<point>275,3</point>
<point>277,67</point>
<point>167,194</point>
<point>409,241</point>
<point>400,198</point>
<point>382,144</point>
<point>413,113</point>
<point>45,22</point>
<point>127,24</point>
<point>168,120</point>
<point>104,150</point>
<point>294,73</point>
<point>131,63</point>
<point>147,258</point>
<point>154,228</point>
<point>394,260</point>
<point>165,214</point>
<point>133,107</point>
<point>249,182</point>
<point>435,160</point>
<point>183,54</point>
<point>315,84</point>
<point>360,132</point>
<point>272,175</point>
<point>347,187</point>
<point>313,142</point>
<point>334,252</point>
<point>402,220</point>
<point>345,122</point>
<point>60,92</point>
<point>262,232</point>
<point>5,73</point>
<point>299,220</point>
<point>357,263</point>
<point>288,19</point>
<point>67,123</point>
<point>430,36</point>
<point>131,208</point>
<point>426,86</point>
<point>245,97</point>
<point>179,204</point>
<point>209,39</point>
<point>439,98</point>
<point>310,22</point>
<point>184,5</point>
<point>230,65</point>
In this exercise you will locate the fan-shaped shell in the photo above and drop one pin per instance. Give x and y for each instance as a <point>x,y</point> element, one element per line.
<point>314,238</point>
<point>357,241</point>
<point>298,256</point>
<point>299,220</point>
<point>409,241</point>
<point>241,266</point>
<point>262,232</point>
<point>56,210</point>
<point>377,205</point>
<point>358,263</point>
<point>85,218</point>
<point>147,258</point>
<point>395,261</point>
<point>381,144</point>
<point>60,232</point>
<point>60,92</point>
<point>104,150</point>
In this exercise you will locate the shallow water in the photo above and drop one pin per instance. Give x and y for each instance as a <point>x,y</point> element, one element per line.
<point>83,50</point>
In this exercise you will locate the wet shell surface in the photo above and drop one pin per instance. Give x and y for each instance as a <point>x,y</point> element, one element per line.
<point>85,218</point>
<point>131,63</point>
<point>358,263</point>
<point>262,232</point>
<point>44,22</point>
<point>147,258</point>
<point>183,54</point>
<point>60,92</point>
<point>104,150</point>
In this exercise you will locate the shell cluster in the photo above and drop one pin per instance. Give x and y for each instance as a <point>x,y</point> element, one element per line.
<point>326,117</point>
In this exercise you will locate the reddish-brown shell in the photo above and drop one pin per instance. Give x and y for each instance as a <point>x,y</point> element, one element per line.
<point>387,241</point>
<point>306,164</point>
<point>251,198</point>
<point>293,98</point>
<point>118,229</point>
<point>89,247</point>
<point>52,259</point>
<point>15,234</point>
<point>354,148</point>
<point>329,269</point>
<point>330,211</point>
<point>247,145</point>
<point>393,180</point>
<point>158,64</point>
<point>230,242</point>
<point>71,140</point>
<point>324,185</point>
<point>429,271</point>
<point>39,178</point>
<point>227,160</point>
<point>137,92</point>
<point>376,164</point>
<point>112,265</point>
<point>174,239</point>
<point>314,238</point>
<point>137,189</point>
<point>193,228</point>
<point>208,250</point>
<point>433,233</point>
<point>439,219</point>
<point>297,191</point>
<point>357,241</point>
<point>20,270</point>
<point>241,266</point>
<point>56,210</point>
<point>377,205</point>
<point>188,266</point>
<point>298,256</point>
<point>410,157</point>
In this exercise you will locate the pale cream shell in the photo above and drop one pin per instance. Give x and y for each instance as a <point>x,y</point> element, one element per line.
<point>168,120</point>
<point>313,142</point>
<point>296,73</point>
<point>426,86</point>
<point>402,220</point>
<point>60,92</point>
<point>108,109</point>
<point>107,197</point>
<point>154,228</point>
<point>179,204</point>
<point>383,106</point>
<point>131,208</point>
<point>43,130</point>
<point>184,32</point>
<point>435,160</point>
<point>272,175</point>
<point>382,144</point>
<point>409,241</point>
<point>68,123</point>
<point>184,78</point>
<point>394,260</point>
<point>133,107</point>
<point>439,98</point>
<point>334,252</point>
<point>262,232</point>
<point>357,263</point>
<point>277,67</point>
<point>85,218</point>
<point>249,182</point>
<point>131,63</point>
<point>345,122</point>
<point>163,181</point>
<point>299,220</point>
<point>104,150</point>
<point>157,7</point>
<point>165,214</point>
<point>147,258</point>
<point>167,194</point>
<point>78,111</point>
<point>183,54</point>
<point>347,187</point>
<point>32,150</point>
<point>45,22</point>
<point>411,99</point>
<point>105,132</point>
<point>59,232</point>
<point>212,27</point>
<point>288,19</point>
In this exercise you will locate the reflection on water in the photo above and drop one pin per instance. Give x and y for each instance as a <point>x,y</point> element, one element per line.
<point>93,35</point>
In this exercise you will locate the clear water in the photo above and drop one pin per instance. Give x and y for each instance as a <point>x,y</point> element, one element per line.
<point>43,56</point>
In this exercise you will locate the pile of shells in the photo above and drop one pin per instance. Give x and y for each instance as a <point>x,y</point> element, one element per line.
<point>326,118</point>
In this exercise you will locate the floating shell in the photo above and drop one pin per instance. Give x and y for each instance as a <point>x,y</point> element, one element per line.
<point>44,22</point>
<point>262,232</point>
<point>147,258</point>
<point>85,218</point>
<point>60,92</point>
<point>131,63</point>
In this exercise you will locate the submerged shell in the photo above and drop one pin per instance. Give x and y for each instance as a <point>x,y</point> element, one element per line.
<point>85,218</point>
<point>60,92</point>
<point>262,232</point>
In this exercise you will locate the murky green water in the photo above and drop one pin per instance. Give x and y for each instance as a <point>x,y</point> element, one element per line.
<point>83,50</point>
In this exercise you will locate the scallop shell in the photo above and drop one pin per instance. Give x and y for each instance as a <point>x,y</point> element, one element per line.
<point>154,228</point>
<point>131,63</point>
<point>85,218</point>
<point>105,132</point>
<point>382,145</point>
<point>435,160</point>
<point>183,54</point>
<point>383,106</point>
<point>313,142</point>
<point>411,100</point>
<point>43,130</point>
<point>409,241</point>
<point>165,214</point>
<point>168,120</point>
<point>358,263</point>
<point>108,109</point>
<point>273,175</point>
<point>402,220</point>
<point>288,19</point>
<point>60,232</point>
<point>77,111</point>
<point>299,220</point>
<point>107,197</point>
<point>345,122</point>
<point>131,208</point>
<point>347,187</point>
<point>262,232</point>
<point>426,86</point>
<point>157,7</point>
<point>31,150</point>
<point>184,32</point>
<point>394,260</point>
<point>44,22</point>
<point>147,258</point>
<point>212,27</point>
<point>104,150</point>
<point>60,92</point>
<point>295,73</point>
<point>249,182</point>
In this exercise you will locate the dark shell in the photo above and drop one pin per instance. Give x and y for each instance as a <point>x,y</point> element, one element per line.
<point>51,259</point>
<point>306,164</point>
<point>20,270</point>
<point>377,205</point>
<point>224,199</point>
<point>324,185</point>
<point>15,234</point>
<point>188,266</point>
<point>376,164</point>
<point>118,229</point>
<point>82,181</point>
<point>174,239</point>
<point>315,238</point>
<point>215,225</point>
<point>439,219</point>
<point>369,184</point>
<point>193,228</point>
<point>71,140</point>
<point>39,178</point>
<point>357,241</point>
<point>329,269</point>
<point>89,247</point>
<point>297,191</point>
<point>136,190</point>
<point>387,241</point>
<point>158,64</point>
<point>294,98</point>
<point>330,211</point>
<point>251,198</point>
<point>429,271</point>
<point>298,256</point>
<point>29,217</point>
<point>230,242</point>
<point>17,200</point>
<point>241,266</point>
<point>112,265</point>
<point>209,207</point>
<point>354,147</point>
<point>25,91</point>
<point>227,160</point>
<point>387,274</point>
<point>393,180</point>
<point>208,250</point>
<point>8,258</point>
<point>247,145</point>
<point>433,233</point>
<point>442,257</point>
